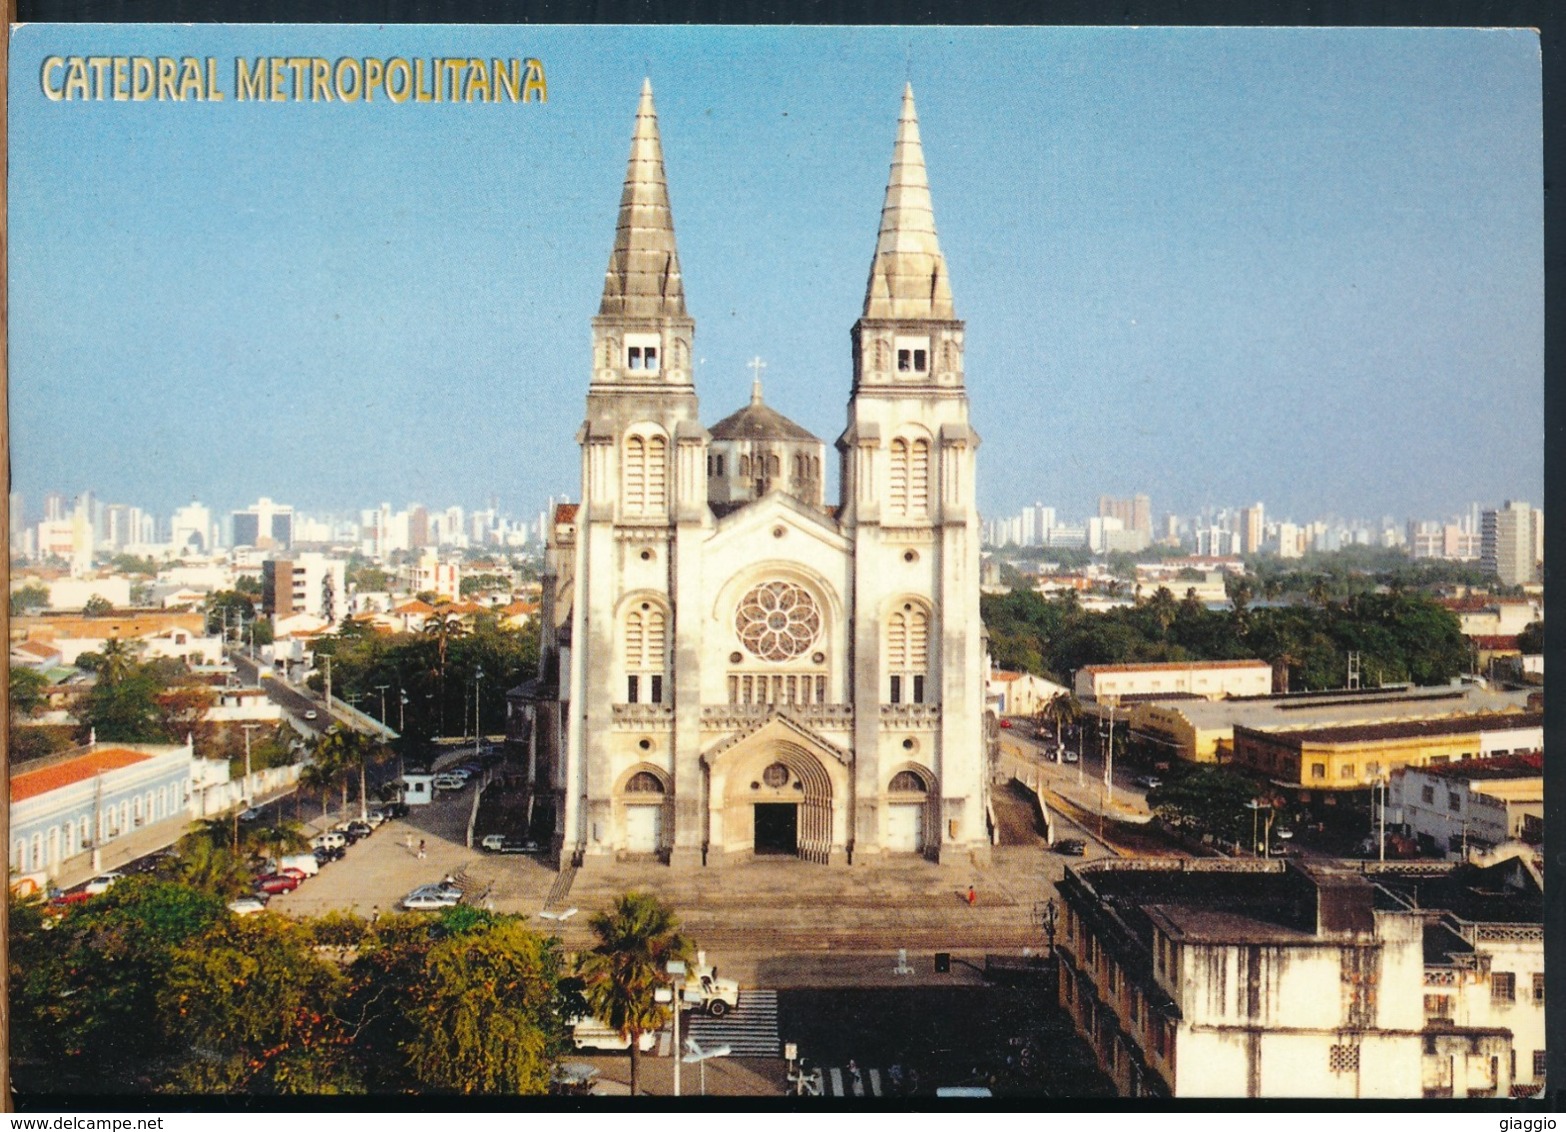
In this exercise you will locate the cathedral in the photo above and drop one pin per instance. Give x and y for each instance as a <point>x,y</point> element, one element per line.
<point>732,666</point>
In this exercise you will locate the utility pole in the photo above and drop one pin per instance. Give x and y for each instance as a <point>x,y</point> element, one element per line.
<point>1109,762</point>
<point>478,680</point>
<point>248,728</point>
<point>381,688</point>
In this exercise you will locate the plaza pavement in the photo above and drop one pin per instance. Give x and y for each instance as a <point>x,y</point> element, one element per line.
<point>775,922</point>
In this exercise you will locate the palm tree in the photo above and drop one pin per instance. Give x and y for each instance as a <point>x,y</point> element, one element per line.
<point>348,751</point>
<point>319,774</point>
<point>276,841</point>
<point>1063,708</point>
<point>443,627</point>
<point>206,862</point>
<point>637,936</point>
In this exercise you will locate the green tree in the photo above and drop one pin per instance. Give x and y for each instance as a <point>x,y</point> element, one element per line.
<point>252,1008</point>
<point>483,1014</point>
<point>1531,639</point>
<point>29,692</point>
<point>1209,800</point>
<point>1062,709</point>
<point>84,989</point>
<point>637,936</point>
<point>97,606</point>
<point>30,597</point>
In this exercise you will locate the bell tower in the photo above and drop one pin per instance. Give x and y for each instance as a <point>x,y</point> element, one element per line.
<point>635,645</point>
<point>908,460</point>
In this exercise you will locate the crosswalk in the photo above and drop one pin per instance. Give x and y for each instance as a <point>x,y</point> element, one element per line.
<point>749,1030</point>
<point>852,1081</point>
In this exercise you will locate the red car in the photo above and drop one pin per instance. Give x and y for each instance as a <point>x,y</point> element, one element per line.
<point>290,871</point>
<point>277,882</point>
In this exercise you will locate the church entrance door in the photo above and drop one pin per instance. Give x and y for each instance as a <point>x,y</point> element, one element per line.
<point>777,829</point>
<point>643,828</point>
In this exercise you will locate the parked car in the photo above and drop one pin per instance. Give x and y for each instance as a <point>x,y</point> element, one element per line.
<point>1148,781</point>
<point>500,843</point>
<point>395,810</point>
<point>361,828</point>
<point>445,889</point>
<point>294,871</point>
<point>431,898</point>
<point>312,714</point>
<point>1070,847</point>
<point>1006,724</point>
<point>102,883</point>
<point>273,883</point>
<point>254,813</point>
<point>332,839</point>
<point>247,905</point>
<point>1069,757</point>
<point>375,819</point>
<point>325,856</point>
<point>449,782</point>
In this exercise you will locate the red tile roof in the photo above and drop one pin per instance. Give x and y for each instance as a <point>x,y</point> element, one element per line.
<point>1496,643</point>
<point>32,783</point>
<point>1005,677</point>
<point>415,606</point>
<point>565,512</point>
<point>1476,770</point>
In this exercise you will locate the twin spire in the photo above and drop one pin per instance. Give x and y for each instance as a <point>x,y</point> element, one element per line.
<point>643,280</point>
<point>907,276</point>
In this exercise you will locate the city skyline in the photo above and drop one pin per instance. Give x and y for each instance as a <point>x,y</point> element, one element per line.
<point>1208,289</point>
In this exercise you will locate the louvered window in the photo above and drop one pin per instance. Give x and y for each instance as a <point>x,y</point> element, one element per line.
<point>907,653</point>
<point>919,479</point>
<point>897,486</point>
<point>646,639</point>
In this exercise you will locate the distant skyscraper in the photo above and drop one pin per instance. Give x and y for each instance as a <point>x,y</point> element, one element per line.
<point>1135,514</point>
<point>1508,542</point>
<point>264,524</point>
<point>191,529</point>
<point>1253,521</point>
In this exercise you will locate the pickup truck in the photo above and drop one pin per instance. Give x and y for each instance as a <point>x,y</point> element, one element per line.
<point>590,1033</point>
<point>705,989</point>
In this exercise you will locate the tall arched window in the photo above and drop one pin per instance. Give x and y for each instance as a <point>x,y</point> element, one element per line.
<point>919,478</point>
<point>908,653</point>
<point>897,484</point>
<point>646,653</point>
<point>908,487</point>
<point>646,475</point>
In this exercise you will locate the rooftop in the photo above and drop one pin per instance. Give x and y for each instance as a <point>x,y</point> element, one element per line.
<point>1403,729</point>
<point>32,783</point>
<point>1272,713</point>
<point>1177,666</point>
<point>1480,770</point>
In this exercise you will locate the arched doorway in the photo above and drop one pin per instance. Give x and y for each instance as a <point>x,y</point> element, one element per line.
<point>643,800</point>
<point>910,817</point>
<point>770,794</point>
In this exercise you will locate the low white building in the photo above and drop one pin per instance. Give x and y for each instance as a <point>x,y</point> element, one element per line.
<point>1019,693</point>
<point>1210,679</point>
<point>75,593</point>
<point>1469,806</point>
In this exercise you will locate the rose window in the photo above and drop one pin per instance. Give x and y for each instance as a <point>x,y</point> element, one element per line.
<point>777,621</point>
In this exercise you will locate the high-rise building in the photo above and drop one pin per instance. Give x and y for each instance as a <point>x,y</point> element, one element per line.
<point>191,529</point>
<point>264,525</point>
<point>1252,527</point>
<point>1135,514</point>
<point>1511,543</point>
<point>306,583</point>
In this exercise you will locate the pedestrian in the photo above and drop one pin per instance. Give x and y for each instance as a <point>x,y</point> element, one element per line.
<point>375,913</point>
<point>421,848</point>
<point>973,897</point>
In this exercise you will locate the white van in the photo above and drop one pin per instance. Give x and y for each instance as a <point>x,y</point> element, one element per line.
<point>590,1033</point>
<point>304,862</point>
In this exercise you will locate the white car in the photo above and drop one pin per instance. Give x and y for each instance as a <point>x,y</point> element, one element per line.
<point>429,900</point>
<point>375,819</point>
<point>449,782</point>
<point>101,884</point>
<point>247,905</point>
<point>332,839</point>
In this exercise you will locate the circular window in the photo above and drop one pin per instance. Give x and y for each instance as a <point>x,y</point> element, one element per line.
<point>910,556</point>
<point>778,532</point>
<point>777,621</point>
<point>818,658</point>
<point>908,744</point>
<point>645,744</point>
<point>647,556</point>
<point>775,775</point>
<point>735,658</point>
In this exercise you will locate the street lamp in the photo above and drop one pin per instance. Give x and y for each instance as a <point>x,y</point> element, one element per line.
<point>1109,763</point>
<point>1256,806</point>
<point>671,993</point>
<point>478,680</point>
<point>381,688</point>
<point>248,727</point>
<point>694,1052</point>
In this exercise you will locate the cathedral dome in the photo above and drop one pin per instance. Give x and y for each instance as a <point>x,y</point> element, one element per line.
<point>759,421</point>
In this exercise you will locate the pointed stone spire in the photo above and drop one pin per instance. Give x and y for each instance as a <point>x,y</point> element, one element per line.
<point>908,275</point>
<point>643,280</point>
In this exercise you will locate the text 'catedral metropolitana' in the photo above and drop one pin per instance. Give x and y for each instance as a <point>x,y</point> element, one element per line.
<point>292,78</point>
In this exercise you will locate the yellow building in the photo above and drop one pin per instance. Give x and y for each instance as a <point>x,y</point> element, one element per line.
<point>1329,760</point>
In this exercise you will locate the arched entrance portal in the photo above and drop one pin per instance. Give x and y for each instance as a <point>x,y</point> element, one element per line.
<point>771,795</point>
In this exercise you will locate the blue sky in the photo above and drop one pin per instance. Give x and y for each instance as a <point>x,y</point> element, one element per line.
<point>1217,266</point>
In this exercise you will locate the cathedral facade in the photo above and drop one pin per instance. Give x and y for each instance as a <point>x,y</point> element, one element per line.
<point>730,665</point>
